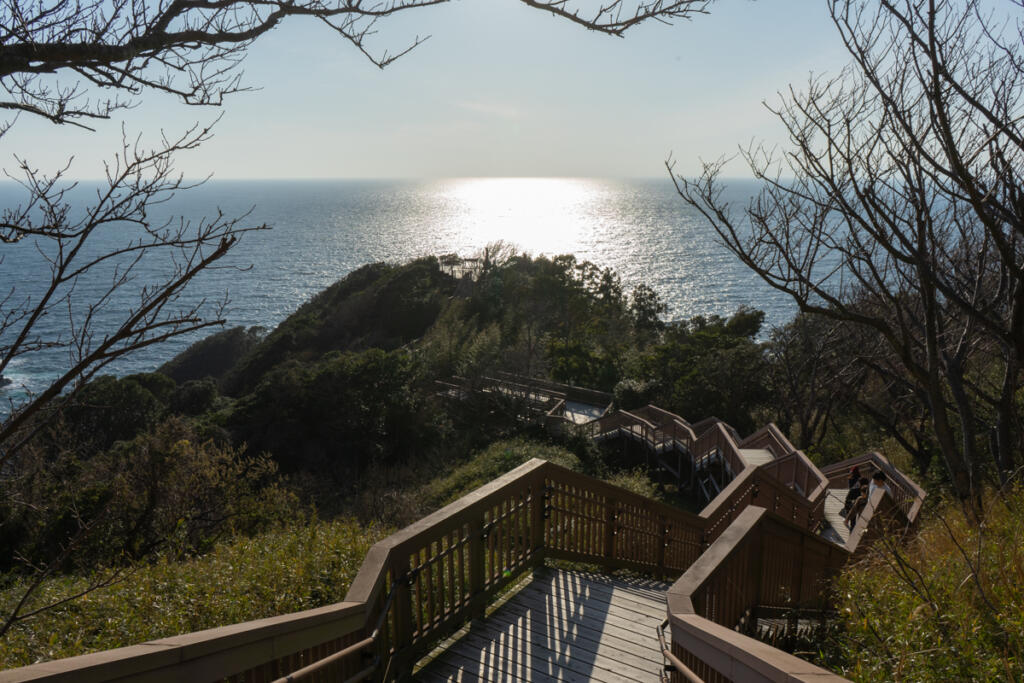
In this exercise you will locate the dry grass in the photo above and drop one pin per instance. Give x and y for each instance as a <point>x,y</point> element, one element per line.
<point>948,605</point>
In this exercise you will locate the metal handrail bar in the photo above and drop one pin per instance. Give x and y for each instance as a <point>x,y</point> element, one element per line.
<point>312,668</point>
<point>673,661</point>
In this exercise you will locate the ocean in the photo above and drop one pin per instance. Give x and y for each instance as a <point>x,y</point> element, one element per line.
<point>323,229</point>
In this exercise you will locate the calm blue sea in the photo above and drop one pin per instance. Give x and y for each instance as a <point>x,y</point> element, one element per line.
<point>324,229</point>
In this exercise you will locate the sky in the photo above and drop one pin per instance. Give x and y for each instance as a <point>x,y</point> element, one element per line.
<point>499,89</point>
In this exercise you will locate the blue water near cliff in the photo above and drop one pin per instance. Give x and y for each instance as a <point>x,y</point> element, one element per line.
<point>322,230</point>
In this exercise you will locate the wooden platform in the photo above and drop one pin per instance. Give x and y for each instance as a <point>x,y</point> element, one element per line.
<point>563,626</point>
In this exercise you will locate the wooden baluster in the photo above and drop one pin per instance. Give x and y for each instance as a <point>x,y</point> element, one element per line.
<point>610,517</point>
<point>476,567</point>
<point>538,495</point>
<point>662,545</point>
<point>492,570</point>
<point>490,553</point>
<point>417,601</point>
<point>509,534</point>
<point>453,597</point>
<point>589,540</point>
<point>431,610</point>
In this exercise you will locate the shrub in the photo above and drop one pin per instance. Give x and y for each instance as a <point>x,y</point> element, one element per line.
<point>945,606</point>
<point>637,481</point>
<point>492,462</point>
<point>163,487</point>
<point>212,356</point>
<point>632,393</point>
<point>292,568</point>
<point>194,397</point>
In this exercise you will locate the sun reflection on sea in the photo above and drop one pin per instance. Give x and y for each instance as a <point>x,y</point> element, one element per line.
<point>537,215</point>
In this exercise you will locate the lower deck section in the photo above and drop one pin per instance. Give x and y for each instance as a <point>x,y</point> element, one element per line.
<point>562,626</point>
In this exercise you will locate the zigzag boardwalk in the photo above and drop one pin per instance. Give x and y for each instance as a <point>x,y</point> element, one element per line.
<point>754,560</point>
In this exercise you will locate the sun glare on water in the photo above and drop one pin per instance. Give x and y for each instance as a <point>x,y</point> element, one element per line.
<point>538,215</point>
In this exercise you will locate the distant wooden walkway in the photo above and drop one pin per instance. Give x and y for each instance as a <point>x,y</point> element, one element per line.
<point>563,626</point>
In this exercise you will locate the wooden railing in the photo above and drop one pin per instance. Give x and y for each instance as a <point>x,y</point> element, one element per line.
<point>767,559</point>
<point>449,565</point>
<point>572,393</point>
<point>260,650</point>
<point>793,487</point>
<point>770,437</point>
<point>907,495</point>
<point>798,473</point>
<point>554,419</point>
<point>759,560</point>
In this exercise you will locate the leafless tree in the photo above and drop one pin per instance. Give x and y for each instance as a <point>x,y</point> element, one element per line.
<point>805,371</point>
<point>78,62</point>
<point>899,207</point>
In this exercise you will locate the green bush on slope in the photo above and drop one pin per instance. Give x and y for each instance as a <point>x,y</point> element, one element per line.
<point>492,462</point>
<point>286,570</point>
<point>948,605</point>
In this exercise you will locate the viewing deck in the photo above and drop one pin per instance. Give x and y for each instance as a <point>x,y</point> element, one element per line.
<point>758,558</point>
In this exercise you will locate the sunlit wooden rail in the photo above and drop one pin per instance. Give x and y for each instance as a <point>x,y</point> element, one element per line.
<point>754,548</point>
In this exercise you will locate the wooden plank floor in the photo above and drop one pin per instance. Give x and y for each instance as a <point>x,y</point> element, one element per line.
<point>563,626</point>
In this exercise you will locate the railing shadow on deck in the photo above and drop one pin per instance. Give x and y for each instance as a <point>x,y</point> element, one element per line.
<point>552,627</point>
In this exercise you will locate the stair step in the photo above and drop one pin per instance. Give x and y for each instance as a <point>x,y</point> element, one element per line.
<point>835,529</point>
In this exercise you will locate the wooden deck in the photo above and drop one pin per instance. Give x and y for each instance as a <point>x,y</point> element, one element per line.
<point>563,626</point>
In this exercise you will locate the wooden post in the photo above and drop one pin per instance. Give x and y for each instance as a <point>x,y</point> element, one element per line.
<point>403,619</point>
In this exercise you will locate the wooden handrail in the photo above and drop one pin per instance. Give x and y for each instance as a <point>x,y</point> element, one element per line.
<point>285,642</point>
<point>771,437</point>
<point>737,572</point>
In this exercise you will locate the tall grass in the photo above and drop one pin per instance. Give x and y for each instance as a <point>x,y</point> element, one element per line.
<point>947,606</point>
<point>285,570</point>
<point>488,464</point>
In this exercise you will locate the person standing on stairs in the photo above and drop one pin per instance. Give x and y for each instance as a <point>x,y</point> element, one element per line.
<point>878,482</point>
